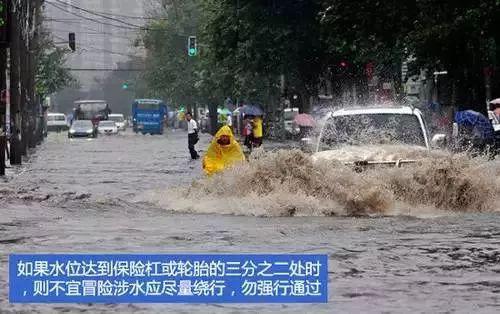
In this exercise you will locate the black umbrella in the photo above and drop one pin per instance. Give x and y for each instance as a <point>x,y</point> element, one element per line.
<point>252,110</point>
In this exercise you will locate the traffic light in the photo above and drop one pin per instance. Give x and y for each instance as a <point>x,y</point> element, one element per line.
<point>192,46</point>
<point>72,42</point>
<point>4,23</point>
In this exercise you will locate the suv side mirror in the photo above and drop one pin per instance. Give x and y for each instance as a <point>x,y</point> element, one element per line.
<point>438,140</point>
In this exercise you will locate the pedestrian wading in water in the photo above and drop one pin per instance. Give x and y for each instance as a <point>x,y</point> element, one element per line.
<point>192,135</point>
<point>223,152</point>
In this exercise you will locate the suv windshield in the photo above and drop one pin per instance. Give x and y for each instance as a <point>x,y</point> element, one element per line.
<point>106,123</point>
<point>116,118</point>
<point>148,106</point>
<point>56,118</point>
<point>369,129</point>
<point>83,123</point>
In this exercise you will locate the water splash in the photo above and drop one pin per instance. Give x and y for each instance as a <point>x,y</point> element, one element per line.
<point>291,183</point>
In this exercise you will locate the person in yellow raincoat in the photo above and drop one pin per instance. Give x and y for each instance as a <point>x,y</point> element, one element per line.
<point>223,152</point>
<point>257,131</point>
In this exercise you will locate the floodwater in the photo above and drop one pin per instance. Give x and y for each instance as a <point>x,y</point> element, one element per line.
<point>424,238</point>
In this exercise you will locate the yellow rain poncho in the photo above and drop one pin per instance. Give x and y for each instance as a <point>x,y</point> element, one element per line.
<point>257,129</point>
<point>218,157</point>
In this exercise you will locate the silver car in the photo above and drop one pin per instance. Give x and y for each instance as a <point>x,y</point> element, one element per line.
<point>82,128</point>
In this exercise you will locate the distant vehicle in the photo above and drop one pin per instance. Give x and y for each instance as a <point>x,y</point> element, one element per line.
<point>107,127</point>
<point>119,120</point>
<point>57,122</point>
<point>374,135</point>
<point>82,128</point>
<point>289,116</point>
<point>204,122</point>
<point>148,116</point>
<point>94,110</point>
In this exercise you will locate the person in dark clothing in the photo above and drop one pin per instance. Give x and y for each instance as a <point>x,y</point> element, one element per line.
<point>192,135</point>
<point>475,133</point>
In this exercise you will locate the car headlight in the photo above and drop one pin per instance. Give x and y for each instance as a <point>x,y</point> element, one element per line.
<point>89,131</point>
<point>71,131</point>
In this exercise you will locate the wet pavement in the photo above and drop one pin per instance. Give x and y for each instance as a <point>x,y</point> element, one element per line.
<point>88,196</point>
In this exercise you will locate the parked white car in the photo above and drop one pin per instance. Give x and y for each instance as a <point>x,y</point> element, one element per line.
<point>119,120</point>
<point>107,127</point>
<point>373,135</point>
<point>57,122</point>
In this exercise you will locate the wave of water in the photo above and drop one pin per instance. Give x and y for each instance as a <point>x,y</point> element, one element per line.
<point>290,183</point>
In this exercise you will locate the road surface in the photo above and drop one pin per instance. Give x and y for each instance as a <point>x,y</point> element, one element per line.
<point>95,196</point>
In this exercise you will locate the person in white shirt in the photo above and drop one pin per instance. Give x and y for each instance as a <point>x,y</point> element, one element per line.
<point>192,135</point>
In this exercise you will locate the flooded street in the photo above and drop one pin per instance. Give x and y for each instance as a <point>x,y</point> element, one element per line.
<point>117,194</point>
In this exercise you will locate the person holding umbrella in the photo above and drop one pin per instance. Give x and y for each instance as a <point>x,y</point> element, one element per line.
<point>248,132</point>
<point>257,131</point>
<point>475,132</point>
<point>257,128</point>
<point>305,122</point>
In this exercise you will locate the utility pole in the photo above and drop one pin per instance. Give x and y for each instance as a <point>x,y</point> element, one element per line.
<point>15,149</point>
<point>4,44</point>
<point>283,101</point>
<point>25,103</point>
<point>33,48</point>
<point>3,86</point>
<point>3,109</point>
<point>487,72</point>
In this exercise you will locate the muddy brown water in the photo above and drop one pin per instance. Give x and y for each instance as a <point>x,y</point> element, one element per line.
<point>398,240</point>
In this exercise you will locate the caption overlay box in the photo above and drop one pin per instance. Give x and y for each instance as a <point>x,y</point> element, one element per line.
<point>124,278</point>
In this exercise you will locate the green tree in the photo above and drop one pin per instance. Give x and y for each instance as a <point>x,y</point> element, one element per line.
<point>460,37</point>
<point>253,42</point>
<point>360,32</point>
<point>52,75</point>
<point>171,74</point>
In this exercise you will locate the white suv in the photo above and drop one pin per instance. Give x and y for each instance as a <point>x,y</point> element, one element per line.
<point>119,120</point>
<point>378,135</point>
<point>57,122</point>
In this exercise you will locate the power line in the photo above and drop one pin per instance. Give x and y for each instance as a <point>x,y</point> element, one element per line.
<point>79,23</point>
<point>110,52</point>
<point>88,18</point>
<point>104,70</point>
<point>95,49</point>
<point>94,13</point>
<point>86,27</point>
<point>114,36</point>
<point>88,30</point>
<point>107,14</point>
